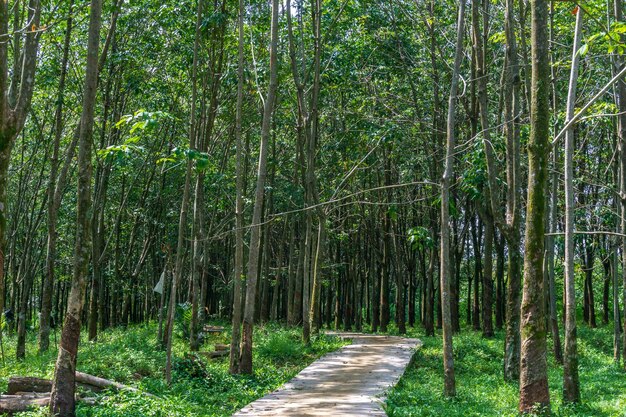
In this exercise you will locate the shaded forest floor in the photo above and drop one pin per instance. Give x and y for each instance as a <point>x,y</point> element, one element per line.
<point>199,388</point>
<point>482,391</point>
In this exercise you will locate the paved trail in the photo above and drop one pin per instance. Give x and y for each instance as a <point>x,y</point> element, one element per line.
<point>348,382</point>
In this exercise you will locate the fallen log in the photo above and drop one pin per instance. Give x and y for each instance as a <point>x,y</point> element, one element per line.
<point>90,382</point>
<point>25,401</point>
<point>212,329</point>
<point>215,354</point>
<point>28,384</point>
<point>16,403</point>
<point>101,383</point>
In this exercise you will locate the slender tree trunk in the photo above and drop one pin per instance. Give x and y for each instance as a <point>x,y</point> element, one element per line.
<point>14,106</point>
<point>513,207</point>
<point>184,206</point>
<point>621,133</point>
<point>239,205</point>
<point>488,279</point>
<point>46,297</point>
<point>63,387</point>
<point>245,365</point>
<point>448,173</point>
<point>533,366</point>
<point>616,317</point>
<point>571,385</point>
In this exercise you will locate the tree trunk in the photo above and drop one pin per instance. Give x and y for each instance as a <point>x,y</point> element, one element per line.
<point>245,365</point>
<point>513,207</point>
<point>48,279</point>
<point>621,133</point>
<point>571,385</point>
<point>533,366</point>
<point>239,204</point>
<point>62,396</point>
<point>448,174</point>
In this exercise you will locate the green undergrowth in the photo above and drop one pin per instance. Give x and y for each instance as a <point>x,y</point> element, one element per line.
<point>199,388</point>
<point>481,390</point>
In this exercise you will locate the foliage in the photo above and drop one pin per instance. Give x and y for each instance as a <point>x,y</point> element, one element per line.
<point>482,392</point>
<point>200,388</point>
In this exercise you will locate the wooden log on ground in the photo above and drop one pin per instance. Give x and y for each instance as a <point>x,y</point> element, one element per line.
<point>216,354</point>
<point>22,384</point>
<point>90,382</point>
<point>10,404</point>
<point>102,383</point>
<point>221,346</point>
<point>28,384</point>
<point>212,329</point>
<point>25,401</point>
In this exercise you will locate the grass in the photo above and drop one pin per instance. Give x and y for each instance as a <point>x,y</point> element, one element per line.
<point>481,391</point>
<point>203,389</point>
<point>200,388</point>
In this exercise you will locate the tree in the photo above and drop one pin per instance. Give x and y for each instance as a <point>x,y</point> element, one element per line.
<point>245,365</point>
<point>448,358</point>
<point>533,366</point>
<point>184,206</point>
<point>571,385</point>
<point>16,88</point>
<point>239,204</point>
<point>62,400</point>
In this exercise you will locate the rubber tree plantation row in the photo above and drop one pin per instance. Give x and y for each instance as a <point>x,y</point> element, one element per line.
<point>329,164</point>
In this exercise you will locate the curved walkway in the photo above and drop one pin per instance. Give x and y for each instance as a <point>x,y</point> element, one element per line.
<point>348,382</point>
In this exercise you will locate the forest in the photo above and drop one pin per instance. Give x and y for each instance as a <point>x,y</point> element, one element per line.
<point>199,200</point>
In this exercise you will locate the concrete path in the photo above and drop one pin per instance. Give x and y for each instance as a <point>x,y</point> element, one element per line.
<point>348,382</point>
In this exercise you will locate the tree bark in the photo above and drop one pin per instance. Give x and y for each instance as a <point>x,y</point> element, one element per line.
<point>533,365</point>
<point>245,365</point>
<point>448,173</point>
<point>621,133</point>
<point>239,204</point>
<point>62,402</point>
<point>571,385</point>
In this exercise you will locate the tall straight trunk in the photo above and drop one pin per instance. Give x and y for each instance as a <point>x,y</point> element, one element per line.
<point>476,240</point>
<point>488,278</point>
<point>533,364</point>
<point>589,299</point>
<point>319,251</point>
<point>239,205</point>
<point>499,282</point>
<point>14,105</point>
<point>511,232</point>
<point>245,365</point>
<point>571,384</point>
<point>552,216</point>
<point>621,133</point>
<point>62,402</point>
<point>606,285</point>
<point>549,263</point>
<point>375,300</point>
<point>184,206</point>
<point>615,287</point>
<point>429,311</point>
<point>48,279</point>
<point>448,173</point>
<point>306,276</point>
<point>482,79</point>
<point>384,282</point>
<point>197,261</point>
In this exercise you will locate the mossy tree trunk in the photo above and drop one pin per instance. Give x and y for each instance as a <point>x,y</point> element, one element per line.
<point>62,401</point>
<point>533,364</point>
